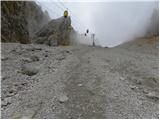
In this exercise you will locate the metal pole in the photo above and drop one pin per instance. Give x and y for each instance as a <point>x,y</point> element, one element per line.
<point>93,39</point>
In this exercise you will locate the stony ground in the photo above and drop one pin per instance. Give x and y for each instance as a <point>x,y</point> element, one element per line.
<point>79,81</point>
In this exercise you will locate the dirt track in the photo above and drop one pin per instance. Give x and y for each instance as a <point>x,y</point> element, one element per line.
<point>80,82</point>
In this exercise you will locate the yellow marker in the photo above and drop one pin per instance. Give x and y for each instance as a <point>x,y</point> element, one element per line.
<point>65,13</point>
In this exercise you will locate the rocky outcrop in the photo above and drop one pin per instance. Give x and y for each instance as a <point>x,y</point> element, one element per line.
<point>13,22</point>
<point>56,32</point>
<point>20,20</point>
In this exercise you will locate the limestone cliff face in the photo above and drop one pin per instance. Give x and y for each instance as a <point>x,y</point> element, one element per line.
<point>20,20</point>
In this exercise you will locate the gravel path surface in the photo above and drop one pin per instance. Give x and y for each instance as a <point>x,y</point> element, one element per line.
<point>79,81</point>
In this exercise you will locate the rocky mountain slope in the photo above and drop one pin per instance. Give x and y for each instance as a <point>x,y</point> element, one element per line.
<point>35,17</point>
<point>20,20</point>
<point>39,81</point>
<point>56,32</point>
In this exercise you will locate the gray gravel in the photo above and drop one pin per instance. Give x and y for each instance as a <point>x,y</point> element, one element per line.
<point>79,81</point>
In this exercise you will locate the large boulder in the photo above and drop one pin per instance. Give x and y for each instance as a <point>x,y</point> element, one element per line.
<point>56,32</point>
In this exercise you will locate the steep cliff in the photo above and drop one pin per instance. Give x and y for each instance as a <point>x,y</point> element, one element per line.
<point>35,17</point>
<point>20,20</point>
<point>13,22</point>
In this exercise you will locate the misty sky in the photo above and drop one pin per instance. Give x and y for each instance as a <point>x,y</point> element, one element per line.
<point>113,22</point>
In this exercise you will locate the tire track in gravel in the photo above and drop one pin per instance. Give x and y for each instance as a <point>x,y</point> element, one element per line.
<point>82,88</point>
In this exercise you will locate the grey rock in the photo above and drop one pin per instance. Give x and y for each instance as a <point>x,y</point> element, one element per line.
<point>56,32</point>
<point>35,58</point>
<point>6,101</point>
<point>152,95</point>
<point>52,41</point>
<point>122,78</point>
<point>41,40</point>
<point>133,87</point>
<point>11,92</point>
<point>3,58</point>
<point>63,98</point>
<point>30,69</point>
<point>79,85</point>
<point>27,60</point>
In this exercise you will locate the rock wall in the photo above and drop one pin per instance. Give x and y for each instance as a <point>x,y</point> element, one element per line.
<point>20,20</point>
<point>56,32</point>
<point>13,22</point>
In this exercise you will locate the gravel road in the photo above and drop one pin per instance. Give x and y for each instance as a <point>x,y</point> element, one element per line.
<point>39,81</point>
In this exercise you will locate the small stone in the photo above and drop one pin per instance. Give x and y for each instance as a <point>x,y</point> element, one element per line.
<point>122,78</point>
<point>11,92</point>
<point>67,51</point>
<point>6,101</point>
<point>133,87</point>
<point>35,58</point>
<point>63,99</point>
<point>145,91</point>
<point>61,58</point>
<point>30,49</point>
<point>38,48</point>
<point>5,77</point>
<point>3,58</point>
<point>152,95</point>
<point>28,60</point>
<point>30,70</point>
<point>79,85</point>
<point>52,40</point>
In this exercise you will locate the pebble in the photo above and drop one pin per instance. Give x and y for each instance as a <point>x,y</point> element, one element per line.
<point>35,58</point>
<point>6,101</point>
<point>133,87</point>
<point>28,60</point>
<point>30,70</point>
<point>122,78</point>
<point>5,77</point>
<point>152,95</point>
<point>3,58</point>
<point>11,92</point>
<point>63,99</point>
<point>79,85</point>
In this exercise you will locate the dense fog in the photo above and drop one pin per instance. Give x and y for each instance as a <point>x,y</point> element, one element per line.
<point>112,22</point>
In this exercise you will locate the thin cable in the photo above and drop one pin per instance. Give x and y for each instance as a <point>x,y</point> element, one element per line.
<point>50,10</point>
<point>73,15</point>
<point>60,8</point>
<point>73,18</point>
